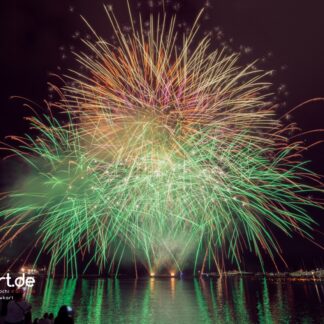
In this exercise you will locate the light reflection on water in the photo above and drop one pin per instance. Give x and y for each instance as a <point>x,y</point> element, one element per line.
<point>233,300</point>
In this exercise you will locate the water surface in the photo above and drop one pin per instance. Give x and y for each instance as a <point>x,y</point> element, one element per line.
<point>144,301</point>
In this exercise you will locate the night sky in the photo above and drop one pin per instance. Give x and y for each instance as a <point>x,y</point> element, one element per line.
<point>37,36</point>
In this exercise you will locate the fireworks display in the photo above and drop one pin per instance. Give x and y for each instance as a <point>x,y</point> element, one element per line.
<point>165,153</point>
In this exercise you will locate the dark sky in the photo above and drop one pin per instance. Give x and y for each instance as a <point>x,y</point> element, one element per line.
<point>34,32</point>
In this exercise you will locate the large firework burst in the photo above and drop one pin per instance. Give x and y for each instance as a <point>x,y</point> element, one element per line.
<point>172,152</point>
